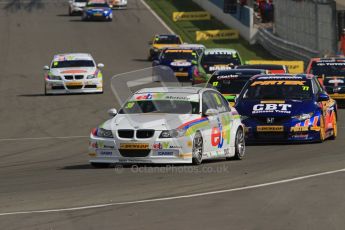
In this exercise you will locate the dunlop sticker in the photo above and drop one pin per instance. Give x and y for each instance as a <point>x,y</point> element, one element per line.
<point>294,67</point>
<point>216,35</point>
<point>191,16</point>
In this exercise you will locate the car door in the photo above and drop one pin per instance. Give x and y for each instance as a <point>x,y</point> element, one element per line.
<point>211,134</point>
<point>221,137</point>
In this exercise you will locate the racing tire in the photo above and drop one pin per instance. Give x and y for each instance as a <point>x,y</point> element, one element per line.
<point>198,149</point>
<point>240,146</point>
<point>335,127</point>
<point>100,165</point>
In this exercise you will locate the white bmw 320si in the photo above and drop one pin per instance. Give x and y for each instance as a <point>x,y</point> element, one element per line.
<point>73,73</point>
<point>169,125</point>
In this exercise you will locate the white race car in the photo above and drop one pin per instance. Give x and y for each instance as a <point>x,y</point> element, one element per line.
<point>76,6</point>
<point>118,4</point>
<point>169,125</point>
<point>73,73</point>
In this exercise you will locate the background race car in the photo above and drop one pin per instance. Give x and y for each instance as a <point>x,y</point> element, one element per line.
<point>169,125</point>
<point>230,82</point>
<point>180,60</point>
<point>76,6</point>
<point>73,73</point>
<point>331,74</point>
<point>97,10</point>
<point>118,4</point>
<point>279,108</point>
<point>161,41</point>
<point>212,60</point>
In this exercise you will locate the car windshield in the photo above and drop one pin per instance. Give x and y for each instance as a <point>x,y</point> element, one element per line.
<point>80,0</point>
<point>328,68</point>
<point>179,54</point>
<point>160,106</point>
<point>167,40</point>
<point>278,89</point>
<point>220,58</point>
<point>229,85</point>
<point>93,4</point>
<point>74,63</point>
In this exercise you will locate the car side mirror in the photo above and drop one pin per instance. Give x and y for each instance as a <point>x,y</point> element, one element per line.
<point>46,67</point>
<point>322,97</point>
<point>211,112</point>
<point>112,112</point>
<point>100,65</point>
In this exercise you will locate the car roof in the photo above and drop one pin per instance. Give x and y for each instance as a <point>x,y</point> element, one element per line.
<point>191,46</point>
<point>260,66</point>
<point>241,71</point>
<point>282,77</point>
<point>328,59</point>
<point>219,50</point>
<point>72,56</point>
<point>166,35</point>
<point>185,90</point>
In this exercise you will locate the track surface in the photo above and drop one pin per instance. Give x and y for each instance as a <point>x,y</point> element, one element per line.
<point>54,173</point>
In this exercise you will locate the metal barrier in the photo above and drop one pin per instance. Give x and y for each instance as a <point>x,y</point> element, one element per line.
<point>284,49</point>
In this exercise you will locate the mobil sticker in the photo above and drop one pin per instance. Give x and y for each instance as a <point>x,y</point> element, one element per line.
<point>271,108</point>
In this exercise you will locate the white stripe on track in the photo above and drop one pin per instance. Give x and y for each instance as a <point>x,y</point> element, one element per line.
<point>156,16</point>
<point>40,138</point>
<point>175,197</point>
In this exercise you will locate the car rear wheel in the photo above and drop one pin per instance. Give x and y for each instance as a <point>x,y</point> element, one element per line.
<point>100,165</point>
<point>240,146</point>
<point>197,150</point>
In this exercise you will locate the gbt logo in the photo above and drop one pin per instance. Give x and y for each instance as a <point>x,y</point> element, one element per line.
<point>271,107</point>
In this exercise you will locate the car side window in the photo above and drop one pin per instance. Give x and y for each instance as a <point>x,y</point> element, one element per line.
<point>221,105</point>
<point>207,102</point>
<point>316,86</point>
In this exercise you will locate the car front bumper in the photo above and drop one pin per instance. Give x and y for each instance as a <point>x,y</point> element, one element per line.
<point>64,87</point>
<point>167,151</point>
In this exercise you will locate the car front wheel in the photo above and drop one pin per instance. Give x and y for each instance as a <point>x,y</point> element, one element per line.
<point>197,150</point>
<point>240,146</point>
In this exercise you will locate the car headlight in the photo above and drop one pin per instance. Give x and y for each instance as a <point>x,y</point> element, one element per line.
<point>105,133</point>
<point>91,76</point>
<point>106,12</point>
<point>303,116</point>
<point>53,77</point>
<point>172,133</point>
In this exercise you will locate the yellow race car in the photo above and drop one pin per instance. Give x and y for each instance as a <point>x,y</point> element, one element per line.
<point>161,41</point>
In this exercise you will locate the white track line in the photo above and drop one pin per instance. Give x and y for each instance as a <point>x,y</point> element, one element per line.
<point>175,197</point>
<point>156,16</point>
<point>40,138</point>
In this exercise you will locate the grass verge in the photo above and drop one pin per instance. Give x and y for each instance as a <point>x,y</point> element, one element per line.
<point>165,8</point>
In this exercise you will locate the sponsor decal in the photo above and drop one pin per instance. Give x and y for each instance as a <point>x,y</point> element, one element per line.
<point>134,146</point>
<point>282,82</point>
<point>166,152</point>
<point>271,108</point>
<point>191,16</point>
<point>270,128</point>
<point>216,35</point>
<point>192,126</point>
<point>221,133</point>
<point>220,67</point>
<point>161,145</point>
<point>294,67</point>
<point>181,63</point>
<point>105,153</point>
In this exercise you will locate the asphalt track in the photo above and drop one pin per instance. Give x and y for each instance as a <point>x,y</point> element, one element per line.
<point>40,173</point>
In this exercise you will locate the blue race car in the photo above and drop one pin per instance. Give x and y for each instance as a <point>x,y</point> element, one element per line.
<point>97,10</point>
<point>180,60</point>
<point>287,108</point>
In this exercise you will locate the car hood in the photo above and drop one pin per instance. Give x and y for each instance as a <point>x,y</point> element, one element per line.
<point>149,121</point>
<point>72,71</point>
<point>275,108</point>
